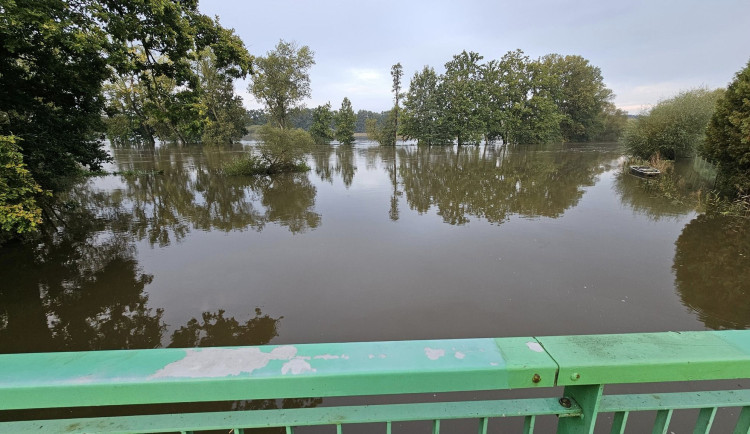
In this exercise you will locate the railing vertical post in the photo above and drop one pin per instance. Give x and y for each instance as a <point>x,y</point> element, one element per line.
<point>588,397</point>
<point>743,423</point>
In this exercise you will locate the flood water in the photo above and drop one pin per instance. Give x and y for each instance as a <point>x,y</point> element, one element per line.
<point>372,244</point>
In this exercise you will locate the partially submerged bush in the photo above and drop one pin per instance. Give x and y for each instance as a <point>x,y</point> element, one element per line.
<point>281,150</point>
<point>674,128</point>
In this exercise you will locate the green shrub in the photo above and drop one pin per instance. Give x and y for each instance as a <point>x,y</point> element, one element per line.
<point>280,151</point>
<point>673,128</point>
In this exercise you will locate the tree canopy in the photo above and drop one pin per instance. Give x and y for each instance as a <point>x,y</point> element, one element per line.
<point>56,56</point>
<point>282,81</point>
<point>344,121</point>
<point>514,99</point>
<point>728,136</point>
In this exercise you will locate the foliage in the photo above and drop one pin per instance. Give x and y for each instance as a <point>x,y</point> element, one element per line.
<point>257,117</point>
<point>55,57</point>
<point>280,151</point>
<point>282,81</point>
<point>385,132</point>
<point>344,120</point>
<point>284,149</point>
<point>322,119</point>
<point>221,113</point>
<point>513,99</point>
<point>613,123</point>
<point>363,116</point>
<point>727,141</point>
<point>19,211</point>
<point>145,107</point>
<point>462,93</point>
<point>397,71</point>
<point>423,111</point>
<point>674,127</point>
<point>739,206</point>
<point>578,89</point>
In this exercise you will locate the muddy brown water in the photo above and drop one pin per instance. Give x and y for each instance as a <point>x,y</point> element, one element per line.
<point>371,244</point>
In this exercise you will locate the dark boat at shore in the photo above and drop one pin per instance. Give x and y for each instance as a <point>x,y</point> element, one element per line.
<point>645,171</point>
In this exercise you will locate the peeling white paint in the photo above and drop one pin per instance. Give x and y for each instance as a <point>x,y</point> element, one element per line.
<point>371,356</point>
<point>223,362</point>
<point>345,357</point>
<point>459,355</point>
<point>296,366</point>
<point>326,357</point>
<point>82,380</point>
<point>382,356</point>
<point>493,364</point>
<point>433,354</point>
<point>534,346</point>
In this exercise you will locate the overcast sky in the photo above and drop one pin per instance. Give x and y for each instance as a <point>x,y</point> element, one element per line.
<point>647,50</point>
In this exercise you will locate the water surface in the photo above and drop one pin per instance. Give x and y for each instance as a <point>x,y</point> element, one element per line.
<point>372,244</point>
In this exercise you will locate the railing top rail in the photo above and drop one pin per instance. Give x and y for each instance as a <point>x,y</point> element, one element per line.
<point>366,368</point>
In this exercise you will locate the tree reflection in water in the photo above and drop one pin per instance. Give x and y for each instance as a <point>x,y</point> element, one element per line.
<point>495,183</point>
<point>652,204</point>
<point>80,288</point>
<point>193,194</point>
<point>712,270</point>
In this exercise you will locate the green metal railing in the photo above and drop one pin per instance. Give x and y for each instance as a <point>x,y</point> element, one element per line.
<point>582,364</point>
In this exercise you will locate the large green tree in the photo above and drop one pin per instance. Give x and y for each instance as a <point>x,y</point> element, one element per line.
<point>580,94</point>
<point>462,92</point>
<point>344,121</point>
<point>322,119</point>
<point>222,115</point>
<point>282,80</point>
<point>728,136</point>
<point>55,57</point>
<point>422,118</point>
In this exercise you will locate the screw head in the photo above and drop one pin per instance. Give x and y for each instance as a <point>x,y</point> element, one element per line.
<point>575,376</point>
<point>565,402</point>
<point>536,378</point>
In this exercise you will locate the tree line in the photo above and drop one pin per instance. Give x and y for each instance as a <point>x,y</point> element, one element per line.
<point>514,100</point>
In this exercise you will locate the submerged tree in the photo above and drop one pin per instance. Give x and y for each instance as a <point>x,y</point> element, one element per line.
<point>344,121</point>
<point>465,101</point>
<point>282,80</point>
<point>222,115</point>
<point>580,94</point>
<point>422,119</point>
<point>56,56</point>
<point>397,71</point>
<point>322,120</point>
<point>513,99</point>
